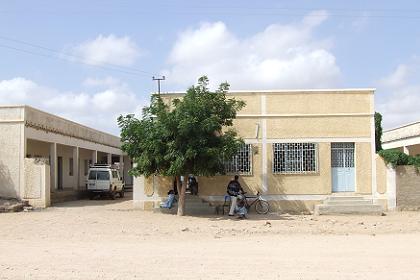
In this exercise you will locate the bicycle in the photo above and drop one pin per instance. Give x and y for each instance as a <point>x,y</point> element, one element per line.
<point>261,205</point>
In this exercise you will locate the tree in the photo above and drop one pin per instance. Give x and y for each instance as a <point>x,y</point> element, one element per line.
<point>190,137</point>
<point>378,131</point>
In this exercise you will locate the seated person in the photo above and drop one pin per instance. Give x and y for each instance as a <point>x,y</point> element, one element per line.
<point>169,202</point>
<point>234,189</point>
<point>240,208</point>
<point>193,185</point>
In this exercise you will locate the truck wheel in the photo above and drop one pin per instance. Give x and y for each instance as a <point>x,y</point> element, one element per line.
<point>122,194</point>
<point>112,195</point>
<point>91,196</point>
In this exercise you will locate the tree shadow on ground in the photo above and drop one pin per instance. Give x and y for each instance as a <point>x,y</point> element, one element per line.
<point>253,217</point>
<point>85,202</point>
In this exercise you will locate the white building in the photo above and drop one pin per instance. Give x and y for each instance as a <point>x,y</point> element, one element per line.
<point>43,156</point>
<point>406,138</point>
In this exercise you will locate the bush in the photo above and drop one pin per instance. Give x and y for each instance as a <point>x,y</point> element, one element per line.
<point>396,157</point>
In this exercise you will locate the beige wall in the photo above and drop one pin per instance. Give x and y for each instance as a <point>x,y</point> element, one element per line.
<point>323,117</point>
<point>37,182</point>
<point>319,183</point>
<point>363,162</point>
<point>318,103</point>
<point>381,175</point>
<point>253,103</point>
<point>37,149</point>
<point>295,127</point>
<point>11,159</point>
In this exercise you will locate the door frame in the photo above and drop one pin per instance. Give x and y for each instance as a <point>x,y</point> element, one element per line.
<point>59,173</point>
<point>355,169</point>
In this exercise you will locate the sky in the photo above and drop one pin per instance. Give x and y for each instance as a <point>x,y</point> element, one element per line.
<point>90,61</point>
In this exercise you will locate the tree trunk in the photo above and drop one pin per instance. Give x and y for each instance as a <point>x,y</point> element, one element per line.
<point>181,197</point>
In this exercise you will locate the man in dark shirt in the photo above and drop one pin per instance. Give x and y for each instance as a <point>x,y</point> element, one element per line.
<point>234,189</point>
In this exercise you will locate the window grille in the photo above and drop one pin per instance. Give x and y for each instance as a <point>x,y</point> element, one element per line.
<point>342,155</point>
<point>241,163</point>
<point>295,158</point>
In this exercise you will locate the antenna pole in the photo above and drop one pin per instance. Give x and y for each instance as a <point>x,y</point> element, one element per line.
<point>158,79</point>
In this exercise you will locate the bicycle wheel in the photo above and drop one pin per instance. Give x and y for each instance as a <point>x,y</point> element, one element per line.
<point>262,207</point>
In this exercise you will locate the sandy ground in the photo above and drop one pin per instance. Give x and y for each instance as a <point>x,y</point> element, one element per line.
<point>109,240</point>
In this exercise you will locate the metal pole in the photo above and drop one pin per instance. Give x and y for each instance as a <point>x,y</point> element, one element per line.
<point>158,79</point>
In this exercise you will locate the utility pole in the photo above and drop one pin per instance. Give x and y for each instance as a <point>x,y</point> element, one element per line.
<point>158,79</point>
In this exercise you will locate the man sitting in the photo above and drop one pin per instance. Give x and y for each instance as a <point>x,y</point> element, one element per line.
<point>234,189</point>
<point>168,203</point>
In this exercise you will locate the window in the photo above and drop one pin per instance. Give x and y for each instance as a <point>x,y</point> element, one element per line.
<point>242,162</point>
<point>92,175</point>
<point>114,174</point>
<point>70,166</point>
<point>295,158</point>
<point>342,155</point>
<point>102,175</point>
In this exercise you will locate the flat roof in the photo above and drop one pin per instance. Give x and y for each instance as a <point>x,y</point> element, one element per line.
<point>329,90</point>
<point>402,126</point>
<point>405,131</point>
<point>108,136</point>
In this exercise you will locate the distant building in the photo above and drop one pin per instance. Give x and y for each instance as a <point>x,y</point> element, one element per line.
<point>45,157</point>
<point>301,147</point>
<point>406,138</point>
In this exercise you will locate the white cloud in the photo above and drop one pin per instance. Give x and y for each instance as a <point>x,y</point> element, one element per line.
<point>280,56</point>
<point>97,109</point>
<point>109,49</point>
<point>398,95</point>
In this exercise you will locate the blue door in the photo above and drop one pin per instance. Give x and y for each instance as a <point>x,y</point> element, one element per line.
<point>342,167</point>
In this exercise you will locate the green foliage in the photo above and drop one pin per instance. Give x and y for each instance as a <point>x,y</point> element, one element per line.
<point>186,138</point>
<point>378,131</point>
<point>396,157</point>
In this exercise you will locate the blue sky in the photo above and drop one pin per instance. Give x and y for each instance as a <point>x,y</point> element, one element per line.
<point>71,58</point>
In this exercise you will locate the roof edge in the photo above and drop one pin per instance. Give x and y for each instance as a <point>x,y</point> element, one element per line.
<point>24,106</point>
<point>401,126</point>
<point>330,90</point>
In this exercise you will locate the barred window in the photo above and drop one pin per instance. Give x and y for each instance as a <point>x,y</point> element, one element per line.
<point>241,163</point>
<point>295,158</point>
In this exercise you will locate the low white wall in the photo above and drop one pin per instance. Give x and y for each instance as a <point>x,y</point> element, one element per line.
<point>37,182</point>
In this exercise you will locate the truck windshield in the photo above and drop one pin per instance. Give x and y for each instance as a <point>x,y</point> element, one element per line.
<point>99,175</point>
<point>92,175</point>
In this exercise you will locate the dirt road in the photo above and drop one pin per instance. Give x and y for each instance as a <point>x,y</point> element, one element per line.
<point>109,240</point>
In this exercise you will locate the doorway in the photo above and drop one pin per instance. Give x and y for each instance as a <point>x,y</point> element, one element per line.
<point>60,173</point>
<point>342,167</point>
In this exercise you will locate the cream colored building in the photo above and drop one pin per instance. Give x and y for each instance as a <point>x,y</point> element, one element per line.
<point>302,146</point>
<point>43,156</point>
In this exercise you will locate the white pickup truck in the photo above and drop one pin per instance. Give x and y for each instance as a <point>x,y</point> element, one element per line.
<point>104,179</point>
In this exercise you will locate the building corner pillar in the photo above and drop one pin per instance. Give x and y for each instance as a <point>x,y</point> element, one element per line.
<point>94,157</point>
<point>76,168</point>
<point>53,166</point>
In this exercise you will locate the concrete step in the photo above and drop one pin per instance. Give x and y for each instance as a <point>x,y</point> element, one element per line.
<point>373,209</point>
<point>349,202</point>
<point>344,197</point>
